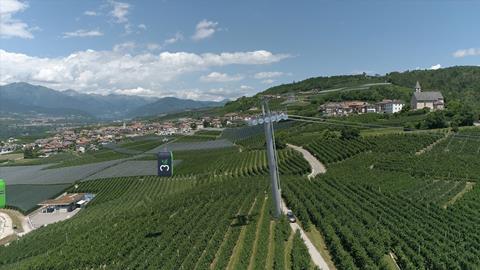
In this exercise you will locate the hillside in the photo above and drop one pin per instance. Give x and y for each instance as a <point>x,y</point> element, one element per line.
<point>169,105</point>
<point>405,198</point>
<point>458,84</point>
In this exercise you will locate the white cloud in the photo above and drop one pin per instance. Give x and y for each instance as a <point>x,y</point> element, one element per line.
<point>178,37</point>
<point>139,91</point>
<point>153,46</point>
<point>215,94</point>
<point>90,13</point>
<point>83,33</point>
<point>128,28</point>
<point>268,74</point>
<point>221,77</point>
<point>268,81</point>
<point>124,47</point>
<point>10,27</point>
<point>119,11</point>
<point>142,26</point>
<point>106,71</point>
<point>204,29</point>
<point>467,52</point>
<point>435,67</point>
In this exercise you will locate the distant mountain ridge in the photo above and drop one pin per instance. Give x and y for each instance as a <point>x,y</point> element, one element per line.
<point>172,105</point>
<point>25,98</point>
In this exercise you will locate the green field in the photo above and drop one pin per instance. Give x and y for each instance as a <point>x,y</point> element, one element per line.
<point>148,223</point>
<point>412,196</point>
<point>142,146</point>
<point>90,157</point>
<point>367,206</point>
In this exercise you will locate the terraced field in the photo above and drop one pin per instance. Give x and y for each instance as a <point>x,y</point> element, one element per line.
<point>166,228</point>
<point>189,146</point>
<point>456,158</point>
<point>367,213</point>
<point>372,209</point>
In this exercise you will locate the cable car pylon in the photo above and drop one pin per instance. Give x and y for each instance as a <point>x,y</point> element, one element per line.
<point>272,158</point>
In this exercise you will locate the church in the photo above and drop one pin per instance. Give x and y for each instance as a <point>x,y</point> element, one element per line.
<point>430,99</point>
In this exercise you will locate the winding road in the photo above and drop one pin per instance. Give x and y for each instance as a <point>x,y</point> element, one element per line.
<point>315,164</point>
<point>317,168</point>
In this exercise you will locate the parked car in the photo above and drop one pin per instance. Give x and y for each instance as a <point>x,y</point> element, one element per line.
<point>291,217</point>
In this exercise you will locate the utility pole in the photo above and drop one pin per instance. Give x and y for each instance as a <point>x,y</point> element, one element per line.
<point>272,160</point>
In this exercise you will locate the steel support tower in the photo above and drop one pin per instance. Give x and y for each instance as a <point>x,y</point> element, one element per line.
<point>272,159</point>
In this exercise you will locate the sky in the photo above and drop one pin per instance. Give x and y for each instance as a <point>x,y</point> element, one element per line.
<point>215,50</point>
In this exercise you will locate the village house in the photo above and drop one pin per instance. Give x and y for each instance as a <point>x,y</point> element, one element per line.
<point>343,108</point>
<point>359,107</point>
<point>430,99</point>
<point>389,106</point>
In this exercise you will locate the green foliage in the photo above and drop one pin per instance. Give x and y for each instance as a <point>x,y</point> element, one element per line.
<point>456,158</point>
<point>282,232</point>
<point>349,133</point>
<point>331,150</point>
<point>232,162</point>
<point>323,83</point>
<point>140,223</point>
<point>299,256</point>
<point>455,83</point>
<point>361,224</point>
<point>91,157</point>
<point>30,153</point>
<point>435,120</point>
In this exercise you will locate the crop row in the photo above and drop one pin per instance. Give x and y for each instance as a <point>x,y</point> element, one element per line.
<point>362,225</point>
<point>157,223</point>
<point>334,149</point>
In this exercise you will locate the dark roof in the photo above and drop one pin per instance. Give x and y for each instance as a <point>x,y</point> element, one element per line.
<point>428,96</point>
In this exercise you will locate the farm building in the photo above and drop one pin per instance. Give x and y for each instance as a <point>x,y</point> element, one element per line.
<point>65,203</point>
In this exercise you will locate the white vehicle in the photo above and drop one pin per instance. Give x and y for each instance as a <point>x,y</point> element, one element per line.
<point>291,217</point>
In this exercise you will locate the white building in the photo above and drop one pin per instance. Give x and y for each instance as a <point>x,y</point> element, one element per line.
<point>394,106</point>
<point>390,106</point>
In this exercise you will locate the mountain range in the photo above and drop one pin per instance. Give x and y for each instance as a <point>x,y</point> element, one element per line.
<point>27,99</point>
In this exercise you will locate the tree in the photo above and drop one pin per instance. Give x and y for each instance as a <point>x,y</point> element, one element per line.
<point>349,133</point>
<point>30,153</point>
<point>193,126</point>
<point>435,120</point>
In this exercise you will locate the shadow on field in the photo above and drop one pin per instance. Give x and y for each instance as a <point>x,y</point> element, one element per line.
<point>153,234</point>
<point>242,220</point>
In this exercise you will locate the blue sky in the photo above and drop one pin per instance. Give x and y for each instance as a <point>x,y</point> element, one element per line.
<point>211,50</point>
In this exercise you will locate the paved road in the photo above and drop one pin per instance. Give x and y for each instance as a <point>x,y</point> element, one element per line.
<point>315,164</point>
<point>317,258</point>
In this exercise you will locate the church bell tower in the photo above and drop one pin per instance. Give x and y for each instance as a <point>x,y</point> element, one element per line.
<point>418,88</point>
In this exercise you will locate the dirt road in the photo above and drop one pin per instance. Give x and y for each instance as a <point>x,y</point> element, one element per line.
<point>315,164</point>
<point>317,258</point>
